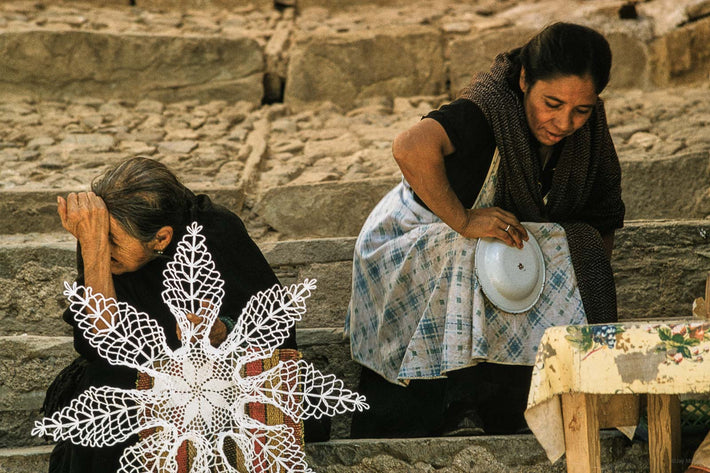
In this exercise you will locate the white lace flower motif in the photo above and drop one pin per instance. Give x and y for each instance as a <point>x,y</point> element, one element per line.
<point>199,393</point>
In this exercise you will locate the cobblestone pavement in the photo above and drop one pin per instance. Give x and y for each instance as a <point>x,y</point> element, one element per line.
<point>62,145</point>
<point>32,15</point>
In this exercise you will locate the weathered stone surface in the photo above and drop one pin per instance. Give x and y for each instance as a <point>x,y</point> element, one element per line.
<point>28,364</point>
<point>24,460</point>
<point>666,187</point>
<point>36,211</point>
<point>299,252</point>
<point>327,305</point>
<point>173,5</point>
<point>128,66</point>
<point>500,454</point>
<point>343,4</point>
<point>31,289</point>
<point>660,267</point>
<point>476,53</point>
<point>24,212</point>
<point>329,351</point>
<point>349,67</point>
<point>630,61</point>
<point>504,454</point>
<point>322,210</point>
<point>682,55</point>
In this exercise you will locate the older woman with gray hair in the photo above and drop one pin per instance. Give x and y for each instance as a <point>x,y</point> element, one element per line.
<point>127,229</point>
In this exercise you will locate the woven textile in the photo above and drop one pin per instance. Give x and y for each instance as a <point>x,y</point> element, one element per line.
<point>417,310</point>
<point>586,191</point>
<point>266,414</point>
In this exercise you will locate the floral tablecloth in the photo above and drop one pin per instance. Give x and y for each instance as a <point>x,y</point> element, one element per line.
<point>671,357</point>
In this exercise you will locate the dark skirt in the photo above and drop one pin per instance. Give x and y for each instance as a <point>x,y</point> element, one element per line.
<point>497,394</point>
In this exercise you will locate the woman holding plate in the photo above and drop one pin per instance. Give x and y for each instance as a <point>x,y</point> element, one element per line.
<point>526,142</point>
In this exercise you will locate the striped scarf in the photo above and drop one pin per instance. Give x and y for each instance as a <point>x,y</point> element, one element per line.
<point>585,197</point>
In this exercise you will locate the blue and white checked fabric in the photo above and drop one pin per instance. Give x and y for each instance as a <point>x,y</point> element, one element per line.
<point>417,310</point>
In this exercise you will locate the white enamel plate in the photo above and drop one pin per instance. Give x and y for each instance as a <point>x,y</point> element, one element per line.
<point>512,279</point>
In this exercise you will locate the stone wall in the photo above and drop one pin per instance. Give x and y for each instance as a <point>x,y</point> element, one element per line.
<point>312,52</point>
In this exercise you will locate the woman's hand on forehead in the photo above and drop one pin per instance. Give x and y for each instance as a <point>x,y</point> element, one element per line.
<point>84,215</point>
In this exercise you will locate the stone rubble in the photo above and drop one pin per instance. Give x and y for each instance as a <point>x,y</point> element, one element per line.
<point>63,145</point>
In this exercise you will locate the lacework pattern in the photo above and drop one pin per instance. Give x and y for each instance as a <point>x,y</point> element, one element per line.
<point>199,391</point>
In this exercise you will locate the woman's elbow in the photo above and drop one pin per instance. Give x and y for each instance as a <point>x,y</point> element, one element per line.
<point>399,148</point>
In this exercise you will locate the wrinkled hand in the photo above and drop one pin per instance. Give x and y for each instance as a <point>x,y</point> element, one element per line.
<point>85,216</point>
<point>218,333</point>
<point>493,222</point>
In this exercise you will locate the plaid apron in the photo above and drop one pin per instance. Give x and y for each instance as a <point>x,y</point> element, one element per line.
<point>417,310</point>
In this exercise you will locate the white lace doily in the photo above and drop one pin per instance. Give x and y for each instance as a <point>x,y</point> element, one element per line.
<point>198,393</point>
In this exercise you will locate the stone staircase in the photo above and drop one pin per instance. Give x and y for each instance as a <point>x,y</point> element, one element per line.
<point>199,85</point>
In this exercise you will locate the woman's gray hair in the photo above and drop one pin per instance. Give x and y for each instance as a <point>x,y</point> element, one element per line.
<point>144,196</point>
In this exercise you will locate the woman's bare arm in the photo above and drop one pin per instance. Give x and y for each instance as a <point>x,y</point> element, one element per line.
<point>85,216</point>
<point>419,153</point>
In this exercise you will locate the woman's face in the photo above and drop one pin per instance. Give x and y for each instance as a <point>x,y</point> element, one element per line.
<point>128,253</point>
<point>556,108</point>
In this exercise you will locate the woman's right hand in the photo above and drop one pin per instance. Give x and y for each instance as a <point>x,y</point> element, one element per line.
<point>85,216</point>
<point>494,222</point>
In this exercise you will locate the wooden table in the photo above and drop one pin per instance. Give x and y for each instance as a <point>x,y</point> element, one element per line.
<point>590,377</point>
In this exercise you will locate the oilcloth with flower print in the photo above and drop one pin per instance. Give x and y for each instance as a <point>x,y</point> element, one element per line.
<point>670,357</point>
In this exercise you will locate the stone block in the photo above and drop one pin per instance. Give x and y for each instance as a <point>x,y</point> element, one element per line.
<point>476,53</point>
<point>172,5</point>
<point>56,64</point>
<point>24,460</point>
<point>629,67</point>
<point>349,67</point>
<point>682,56</point>
<point>665,187</point>
<point>660,267</point>
<point>322,210</point>
<point>299,252</point>
<point>36,210</point>
<point>344,5</point>
<point>503,453</point>
<point>31,288</point>
<point>28,364</point>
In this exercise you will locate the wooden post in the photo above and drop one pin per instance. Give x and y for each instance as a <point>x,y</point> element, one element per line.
<point>707,297</point>
<point>581,423</point>
<point>664,433</point>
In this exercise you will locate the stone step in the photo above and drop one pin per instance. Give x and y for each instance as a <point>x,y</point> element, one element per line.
<point>31,211</point>
<point>29,363</point>
<point>213,54</point>
<point>660,188</point>
<point>125,66</point>
<point>501,454</point>
<point>659,267</point>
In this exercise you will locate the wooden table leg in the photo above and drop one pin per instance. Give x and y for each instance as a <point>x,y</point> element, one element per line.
<point>579,412</point>
<point>664,433</point>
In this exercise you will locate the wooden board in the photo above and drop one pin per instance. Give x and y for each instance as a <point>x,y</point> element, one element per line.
<point>581,424</point>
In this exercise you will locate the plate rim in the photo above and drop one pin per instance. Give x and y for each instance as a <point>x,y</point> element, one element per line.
<point>511,310</point>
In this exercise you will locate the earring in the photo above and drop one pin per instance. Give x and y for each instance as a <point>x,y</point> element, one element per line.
<point>159,252</point>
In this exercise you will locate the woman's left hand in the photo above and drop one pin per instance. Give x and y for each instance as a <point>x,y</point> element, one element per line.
<point>218,333</point>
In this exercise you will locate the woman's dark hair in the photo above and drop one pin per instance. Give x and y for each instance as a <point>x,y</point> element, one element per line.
<point>564,49</point>
<point>144,196</point>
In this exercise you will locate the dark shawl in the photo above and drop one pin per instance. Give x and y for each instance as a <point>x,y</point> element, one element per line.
<point>245,272</point>
<point>585,197</point>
